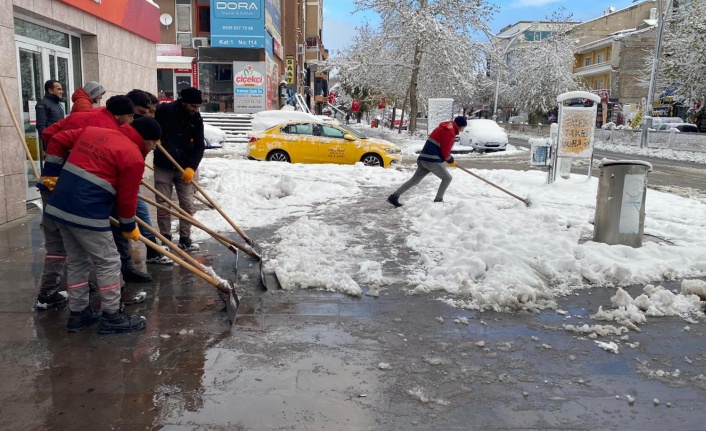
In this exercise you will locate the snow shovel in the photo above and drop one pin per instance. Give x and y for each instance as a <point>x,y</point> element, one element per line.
<point>225,290</point>
<point>198,197</point>
<point>525,201</point>
<point>249,241</point>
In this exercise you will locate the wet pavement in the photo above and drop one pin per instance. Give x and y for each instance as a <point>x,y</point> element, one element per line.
<point>316,360</point>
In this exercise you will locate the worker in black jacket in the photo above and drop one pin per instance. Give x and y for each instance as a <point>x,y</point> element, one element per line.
<point>49,109</point>
<point>182,137</point>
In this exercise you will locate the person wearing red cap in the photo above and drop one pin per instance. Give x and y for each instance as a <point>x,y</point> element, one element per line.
<point>436,151</point>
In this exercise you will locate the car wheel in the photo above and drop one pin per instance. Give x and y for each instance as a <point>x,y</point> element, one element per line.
<point>372,160</point>
<point>278,156</point>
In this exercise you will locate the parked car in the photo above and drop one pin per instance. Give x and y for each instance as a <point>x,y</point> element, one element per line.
<point>518,119</point>
<point>484,135</point>
<point>388,120</point>
<point>320,142</point>
<point>214,137</point>
<point>681,127</point>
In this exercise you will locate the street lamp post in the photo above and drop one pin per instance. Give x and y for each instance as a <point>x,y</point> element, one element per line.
<point>655,62</point>
<point>511,39</point>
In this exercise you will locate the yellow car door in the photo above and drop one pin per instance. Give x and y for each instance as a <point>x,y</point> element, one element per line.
<point>300,143</point>
<point>333,147</point>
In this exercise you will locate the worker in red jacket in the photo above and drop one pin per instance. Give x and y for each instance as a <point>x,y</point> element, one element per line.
<point>119,110</point>
<point>85,98</point>
<point>436,151</point>
<point>91,172</point>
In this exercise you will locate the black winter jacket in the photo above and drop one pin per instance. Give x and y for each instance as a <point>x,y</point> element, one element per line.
<point>48,112</point>
<point>182,136</point>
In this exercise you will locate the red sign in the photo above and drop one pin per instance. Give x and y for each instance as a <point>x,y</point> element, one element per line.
<point>277,48</point>
<point>604,94</point>
<point>182,70</point>
<point>381,103</point>
<point>194,75</point>
<point>331,98</point>
<point>137,16</point>
<point>355,106</point>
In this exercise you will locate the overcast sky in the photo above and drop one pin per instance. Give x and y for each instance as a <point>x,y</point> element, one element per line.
<point>340,22</point>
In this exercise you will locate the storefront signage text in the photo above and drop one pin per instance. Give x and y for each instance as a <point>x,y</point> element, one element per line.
<point>290,70</point>
<point>576,132</point>
<point>237,24</point>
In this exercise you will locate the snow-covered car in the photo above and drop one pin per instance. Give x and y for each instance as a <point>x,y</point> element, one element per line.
<point>328,119</point>
<point>679,127</point>
<point>214,137</point>
<point>484,135</point>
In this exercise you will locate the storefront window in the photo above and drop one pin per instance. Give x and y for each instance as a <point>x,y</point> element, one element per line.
<point>216,83</point>
<point>38,32</point>
<point>165,85</point>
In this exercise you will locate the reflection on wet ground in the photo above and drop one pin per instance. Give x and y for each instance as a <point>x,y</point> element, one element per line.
<point>314,360</point>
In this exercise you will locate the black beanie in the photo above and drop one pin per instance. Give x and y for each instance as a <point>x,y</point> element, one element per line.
<point>148,128</point>
<point>191,95</point>
<point>139,98</point>
<point>460,121</point>
<point>120,105</point>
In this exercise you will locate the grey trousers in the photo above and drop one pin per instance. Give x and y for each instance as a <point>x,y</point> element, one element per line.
<point>164,179</point>
<point>424,169</point>
<point>55,257</point>
<point>84,248</point>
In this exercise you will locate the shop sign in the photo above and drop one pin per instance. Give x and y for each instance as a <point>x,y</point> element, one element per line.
<point>576,128</point>
<point>249,87</point>
<point>237,24</point>
<point>290,70</point>
<point>168,49</point>
<point>277,48</point>
<point>273,19</point>
<point>136,16</point>
<point>604,94</point>
<point>182,70</point>
<point>194,75</point>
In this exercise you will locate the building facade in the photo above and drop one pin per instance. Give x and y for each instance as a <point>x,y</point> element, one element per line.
<point>72,41</point>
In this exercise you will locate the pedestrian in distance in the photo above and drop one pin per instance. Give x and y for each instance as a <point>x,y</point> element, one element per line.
<point>84,99</point>
<point>182,138</point>
<point>118,110</point>
<point>436,151</point>
<point>348,118</point>
<point>97,170</point>
<point>49,110</point>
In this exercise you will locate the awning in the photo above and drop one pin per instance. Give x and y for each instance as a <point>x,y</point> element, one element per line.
<point>174,62</point>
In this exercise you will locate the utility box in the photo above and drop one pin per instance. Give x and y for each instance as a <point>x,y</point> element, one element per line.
<point>620,202</point>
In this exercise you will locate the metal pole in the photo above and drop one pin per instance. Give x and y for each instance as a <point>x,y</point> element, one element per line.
<point>497,89</point>
<point>655,62</point>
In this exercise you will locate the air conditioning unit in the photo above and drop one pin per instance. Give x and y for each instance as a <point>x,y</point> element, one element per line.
<point>199,41</point>
<point>653,13</point>
<point>300,49</point>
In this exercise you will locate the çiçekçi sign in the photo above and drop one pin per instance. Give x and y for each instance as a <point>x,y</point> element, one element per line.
<point>237,24</point>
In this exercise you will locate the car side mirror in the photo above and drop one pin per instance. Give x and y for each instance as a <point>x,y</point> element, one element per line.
<point>349,137</point>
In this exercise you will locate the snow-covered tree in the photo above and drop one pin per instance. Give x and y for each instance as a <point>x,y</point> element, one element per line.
<point>683,60</point>
<point>542,70</point>
<point>421,50</point>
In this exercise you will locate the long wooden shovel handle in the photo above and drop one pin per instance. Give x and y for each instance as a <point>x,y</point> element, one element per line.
<point>184,255</point>
<point>19,131</point>
<point>198,197</point>
<point>208,198</point>
<point>525,201</point>
<point>225,241</point>
<point>206,277</point>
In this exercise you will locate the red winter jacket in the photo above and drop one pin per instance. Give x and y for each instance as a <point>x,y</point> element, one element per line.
<point>97,117</point>
<point>439,143</point>
<point>102,169</point>
<point>82,101</point>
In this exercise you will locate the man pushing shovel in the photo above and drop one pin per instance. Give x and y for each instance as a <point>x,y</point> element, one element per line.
<point>436,151</point>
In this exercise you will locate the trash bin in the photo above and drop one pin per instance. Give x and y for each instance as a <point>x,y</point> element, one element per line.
<point>620,202</point>
<point>373,123</point>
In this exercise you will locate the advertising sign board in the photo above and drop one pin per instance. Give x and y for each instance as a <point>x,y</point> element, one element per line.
<point>249,87</point>
<point>237,24</point>
<point>576,130</point>
<point>290,70</point>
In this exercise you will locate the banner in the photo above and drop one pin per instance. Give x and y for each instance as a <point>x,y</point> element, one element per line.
<point>576,128</point>
<point>249,87</point>
<point>290,70</point>
<point>237,24</point>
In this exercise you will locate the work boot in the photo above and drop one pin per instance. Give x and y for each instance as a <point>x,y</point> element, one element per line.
<point>119,322</point>
<point>439,200</point>
<point>132,274</point>
<point>186,244</point>
<point>51,298</point>
<point>78,320</point>
<point>394,200</point>
<point>153,256</point>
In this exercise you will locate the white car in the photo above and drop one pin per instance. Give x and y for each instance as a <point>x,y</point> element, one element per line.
<point>214,137</point>
<point>483,135</point>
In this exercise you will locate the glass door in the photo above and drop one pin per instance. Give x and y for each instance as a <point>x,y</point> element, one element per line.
<point>181,82</point>
<point>37,64</point>
<point>31,90</point>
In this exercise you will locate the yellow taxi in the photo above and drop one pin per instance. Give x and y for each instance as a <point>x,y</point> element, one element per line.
<point>319,142</point>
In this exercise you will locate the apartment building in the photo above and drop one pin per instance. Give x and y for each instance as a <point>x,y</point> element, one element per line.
<point>72,41</point>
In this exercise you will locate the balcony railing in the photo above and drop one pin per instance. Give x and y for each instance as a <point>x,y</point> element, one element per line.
<point>593,69</point>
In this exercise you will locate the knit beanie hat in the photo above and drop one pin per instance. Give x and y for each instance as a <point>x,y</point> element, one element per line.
<point>120,105</point>
<point>94,89</point>
<point>460,121</point>
<point>139,98</point>
<point>191,95</point>
<point>148,128</point>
